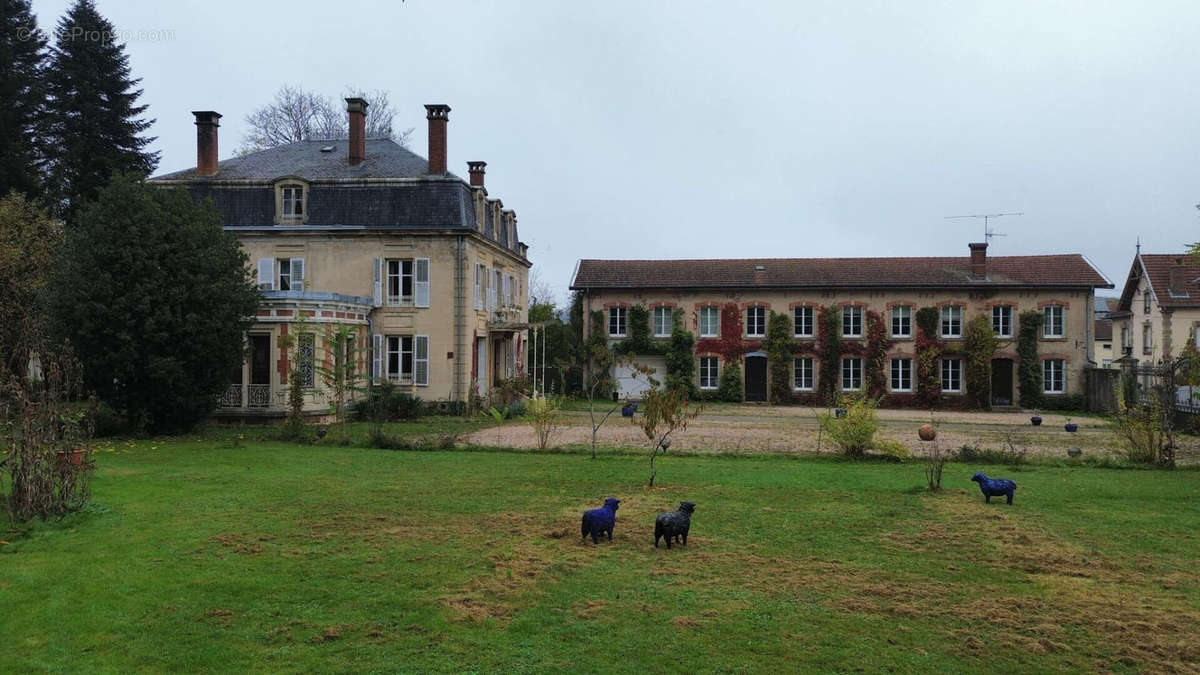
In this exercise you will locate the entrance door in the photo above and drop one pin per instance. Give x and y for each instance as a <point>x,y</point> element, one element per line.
<point>756,377</point>
<point>1002,382</point>
<point>258,394</point>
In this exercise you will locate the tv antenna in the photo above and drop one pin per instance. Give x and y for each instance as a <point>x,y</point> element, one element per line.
<point>988,233</point>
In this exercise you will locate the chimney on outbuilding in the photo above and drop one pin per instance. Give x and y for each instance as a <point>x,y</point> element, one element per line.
<point>476,169</point>
<point>438,115</point>
<point>979,260</point>
<point>357,109</point>
<point>207,122</point>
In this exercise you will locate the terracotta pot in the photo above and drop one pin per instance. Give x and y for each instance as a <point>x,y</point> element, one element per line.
<point>72,457</point>
<point>927,432</point>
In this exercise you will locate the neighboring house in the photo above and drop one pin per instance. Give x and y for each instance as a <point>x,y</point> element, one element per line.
<point>707,291</point>
<point>424,268</point>
<point>1159,308</point>
<point>1105,351</point>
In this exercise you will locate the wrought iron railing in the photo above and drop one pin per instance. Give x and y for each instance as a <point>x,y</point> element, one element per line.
<point>232,397</point>
<point>258,396</point>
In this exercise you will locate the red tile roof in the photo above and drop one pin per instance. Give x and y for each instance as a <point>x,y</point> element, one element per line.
<point>1173,278</point>
<point>1056,271</point>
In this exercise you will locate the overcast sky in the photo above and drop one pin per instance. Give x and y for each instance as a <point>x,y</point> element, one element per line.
<point>731,129</point>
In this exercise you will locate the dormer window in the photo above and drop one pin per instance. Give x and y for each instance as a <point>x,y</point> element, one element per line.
<point>291,203</point>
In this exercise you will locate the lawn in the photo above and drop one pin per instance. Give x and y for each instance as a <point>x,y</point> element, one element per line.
<point>214,553</point>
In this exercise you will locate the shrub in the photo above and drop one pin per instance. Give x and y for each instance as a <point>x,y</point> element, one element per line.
<point>973,454</point>
<point>108,422</point>
<point>854,434</point>
<point>730,388</point>
<point>890,448</point>
<point>517,408</point>
<point>384,403</point>
<point>1143,428</point>
<point>543,416</point>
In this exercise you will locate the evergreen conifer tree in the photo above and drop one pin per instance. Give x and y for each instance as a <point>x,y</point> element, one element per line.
<point>95,128</point>
<point>22,65</point>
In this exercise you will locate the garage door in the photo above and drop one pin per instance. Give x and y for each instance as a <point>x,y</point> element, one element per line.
<point>629,386</point>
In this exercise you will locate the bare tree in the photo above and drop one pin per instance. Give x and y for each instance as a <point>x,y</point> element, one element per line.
<point>540,290</point>
<point>298,115</point>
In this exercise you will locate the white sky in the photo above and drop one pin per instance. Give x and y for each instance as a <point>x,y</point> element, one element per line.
<point>730,129</point>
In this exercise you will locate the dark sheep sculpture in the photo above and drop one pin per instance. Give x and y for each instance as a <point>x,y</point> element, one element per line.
<point>674,524</point>
<point>994,487</point>
<point>600,521</point>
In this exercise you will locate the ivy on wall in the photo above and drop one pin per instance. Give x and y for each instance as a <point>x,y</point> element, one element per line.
<point>979,345</point>
<point>779,347</point>
<point>829,351</point>
<point>678,351</point>
<point>929,350</point>
<point>1029,371</point>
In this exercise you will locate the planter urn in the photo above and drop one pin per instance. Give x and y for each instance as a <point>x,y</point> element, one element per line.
<point>1072,427</point>
<point>71,457</point>
<point>1035,421</point>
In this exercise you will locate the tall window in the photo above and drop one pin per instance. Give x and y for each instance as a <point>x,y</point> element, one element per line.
<point>408,359</point>
<point>498,285</point>
<point>952,375</point>
<point>851,374</point>
<point>756,321</point>
<point>1126,342</point>
<point>400,282</point>
<point>802,322</point>
<point>902,321</point>
<point>616,321</point>
<point>1145,302</point>
<point>1002,320</point>
<point>291,203</point>
<point>1052,325</point>
<point>802,373</point>
<point>852,321</point>
<point>664,321</point>
<point>901,374</point>
<point>305,362</point>
<point>709,319</point>
<point>285,274</point>
<point>1054,379</point>
<point>480,284</point>
<point>1147,339</point>
<point>350,355</point>
<point>708,372</point>
<point>951,323</point>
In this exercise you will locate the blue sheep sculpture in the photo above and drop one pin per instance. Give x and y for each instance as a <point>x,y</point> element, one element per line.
<point>600,521</point>
<point>994,487</point>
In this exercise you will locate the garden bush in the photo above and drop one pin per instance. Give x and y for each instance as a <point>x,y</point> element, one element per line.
<point>730,388</point>
<point>384,403</point>
<point>854,434</point>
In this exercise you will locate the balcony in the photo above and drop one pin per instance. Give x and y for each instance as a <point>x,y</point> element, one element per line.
<point>247,396</point>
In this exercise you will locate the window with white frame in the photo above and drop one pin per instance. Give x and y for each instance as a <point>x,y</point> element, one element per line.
<point>1053,321</point>
<point>901,374</point>
<point>709,321</point>
<point>951,323</point>
<point>802,322</point>
<point>480,284</point>
<point>952,375</point>
<point>1146,302</point>
<point>291,203</point>
<point>408,359</point>
<point>497,286</point>
<point>509,289</point>
<point>1147,339</point>
<point>1054,379</point>
<point>664,321</point>
<point>851,373</point>
<point>852,324</point>
<point>1126,341</point>
<point>306,359</point>
<point>902,321</point>
<point>399,281</point>
<point>708,372</point>
<point>1002,322</point>
<point>802,373</point>
<point>756,321</point>
<point>616,321</point>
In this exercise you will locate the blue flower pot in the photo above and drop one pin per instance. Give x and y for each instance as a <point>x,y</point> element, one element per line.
<point>1072,427</point>
<point>1036,421</point>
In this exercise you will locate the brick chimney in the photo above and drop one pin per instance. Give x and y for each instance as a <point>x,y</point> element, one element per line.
<point>207,122</point>
<point>438,115</point>
<point>357,109</point>
<point>476,169</point>
<point>979,260</point>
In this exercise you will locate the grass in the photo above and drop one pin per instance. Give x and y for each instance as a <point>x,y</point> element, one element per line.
<point>220,553</point>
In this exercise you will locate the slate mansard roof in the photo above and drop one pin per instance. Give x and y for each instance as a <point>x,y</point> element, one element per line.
<point>1049,271</point>
<point>391,188</point>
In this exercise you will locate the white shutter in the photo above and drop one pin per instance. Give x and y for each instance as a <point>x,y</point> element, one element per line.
<point>479,287</point>
<point>377,356</point>
<point>421,359</point>
<point>297,274</point>
<point>266,274</point>
<point>505,299</point>
<point>421,282</point>
<point>378,296</point>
